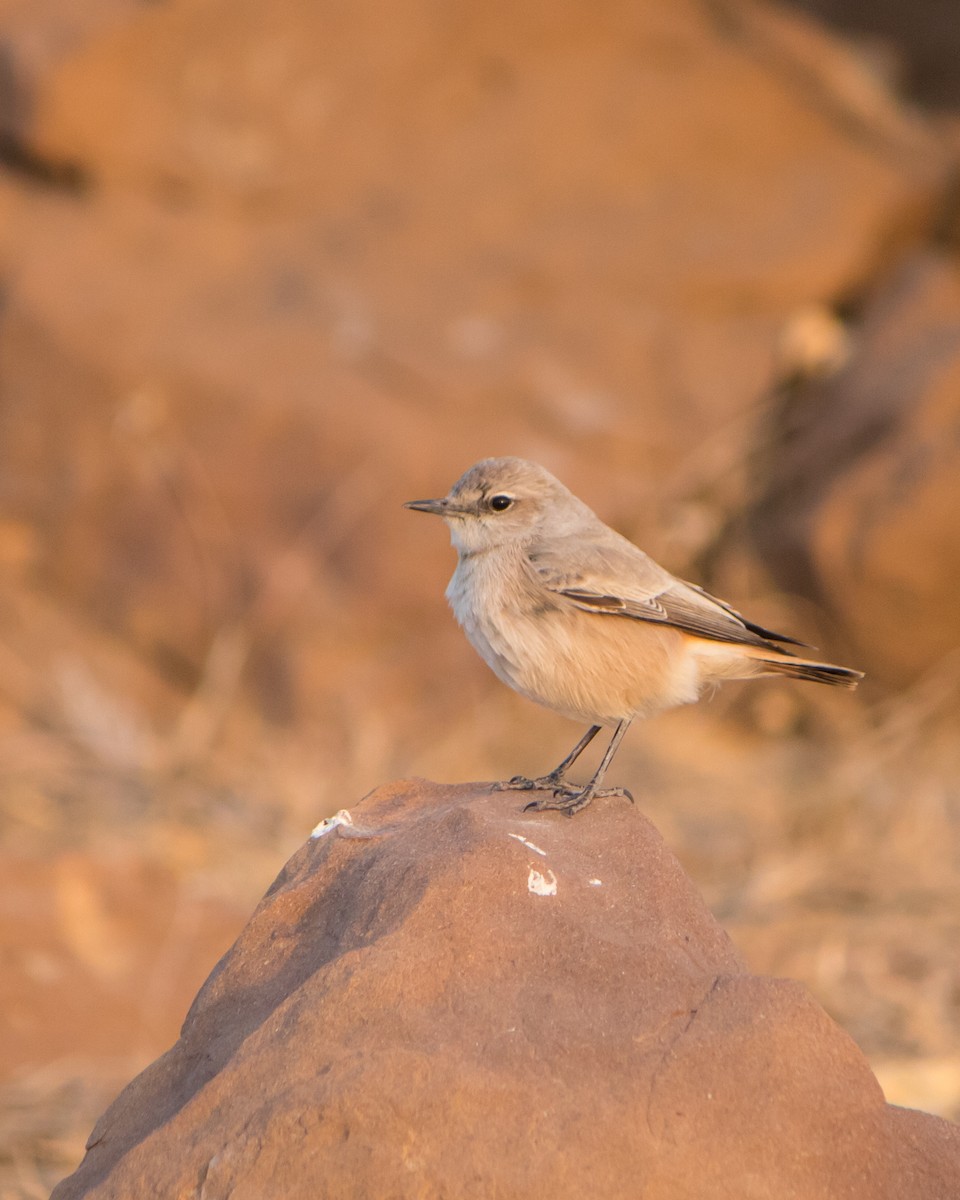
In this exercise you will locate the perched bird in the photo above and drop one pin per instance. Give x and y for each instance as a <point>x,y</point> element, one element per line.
<point>577,618</point>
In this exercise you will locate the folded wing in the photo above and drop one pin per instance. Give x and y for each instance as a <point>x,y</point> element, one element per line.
<point>612,577</point>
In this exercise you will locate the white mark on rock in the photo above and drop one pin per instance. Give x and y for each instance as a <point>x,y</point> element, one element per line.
<point>529,845</point>
<point>595,882</point>
<point>542,885</point>
<point>328,824</point>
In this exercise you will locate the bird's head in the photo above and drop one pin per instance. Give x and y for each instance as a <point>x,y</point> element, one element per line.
<point>504,500</point>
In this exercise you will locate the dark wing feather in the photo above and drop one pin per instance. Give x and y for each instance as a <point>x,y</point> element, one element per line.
<point>613,577</point>
<point>766,634</point>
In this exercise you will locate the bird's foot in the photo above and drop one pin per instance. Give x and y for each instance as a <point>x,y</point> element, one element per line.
<point>570,800</point>
<point>520,783</point>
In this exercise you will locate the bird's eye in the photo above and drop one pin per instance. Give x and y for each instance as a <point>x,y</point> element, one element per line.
<point>499,503</point>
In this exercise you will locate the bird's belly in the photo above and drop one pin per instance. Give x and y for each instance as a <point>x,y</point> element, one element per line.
<point>604,669</point>
<point>594,668</point>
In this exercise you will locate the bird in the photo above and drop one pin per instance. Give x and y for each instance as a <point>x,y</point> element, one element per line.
<point>574,616</point>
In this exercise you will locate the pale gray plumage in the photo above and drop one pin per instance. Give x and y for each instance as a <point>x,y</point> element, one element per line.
<point>576,617</point>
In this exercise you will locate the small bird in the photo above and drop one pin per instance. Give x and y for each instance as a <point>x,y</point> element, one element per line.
<point>574,616</point>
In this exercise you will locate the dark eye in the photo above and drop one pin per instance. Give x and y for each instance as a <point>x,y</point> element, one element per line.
<point>499,503</point>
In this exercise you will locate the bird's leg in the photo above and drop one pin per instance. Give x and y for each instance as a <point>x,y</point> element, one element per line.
<point>553,780</point>
<point>572,800</point>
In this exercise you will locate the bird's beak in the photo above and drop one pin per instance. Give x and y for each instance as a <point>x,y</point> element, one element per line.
<point>441,508</point>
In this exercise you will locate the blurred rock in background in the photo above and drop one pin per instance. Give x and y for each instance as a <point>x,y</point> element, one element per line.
<point>859,486</point>
<point>268,271</point>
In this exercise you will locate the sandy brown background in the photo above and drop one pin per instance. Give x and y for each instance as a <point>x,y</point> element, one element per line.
<point>268,271</point>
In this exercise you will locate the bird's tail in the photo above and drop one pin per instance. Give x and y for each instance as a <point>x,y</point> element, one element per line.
<point>801,668</point>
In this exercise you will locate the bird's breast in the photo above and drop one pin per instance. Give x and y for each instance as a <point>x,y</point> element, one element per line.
<point>486,597</point>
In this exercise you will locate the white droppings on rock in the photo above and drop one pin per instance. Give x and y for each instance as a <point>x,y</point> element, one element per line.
<point>595,882</point>
<point>542,885</point>
<point>528,844</point>
<point>328,824</point>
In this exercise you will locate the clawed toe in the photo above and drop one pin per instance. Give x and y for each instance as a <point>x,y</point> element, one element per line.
<point>622,793</point>
<point>519,783</point>
<point>561,800</point>
<point>556,798</point>
<point>573,800</point>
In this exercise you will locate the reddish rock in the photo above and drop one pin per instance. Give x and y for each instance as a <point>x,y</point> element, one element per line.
<point>861,502</point>
<point>448,997</point>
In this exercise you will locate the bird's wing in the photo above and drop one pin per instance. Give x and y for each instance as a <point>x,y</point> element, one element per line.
<point>612,577</point>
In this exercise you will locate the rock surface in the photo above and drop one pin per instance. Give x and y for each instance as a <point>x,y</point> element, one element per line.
<point>860,500</point>
<point>442,996</point>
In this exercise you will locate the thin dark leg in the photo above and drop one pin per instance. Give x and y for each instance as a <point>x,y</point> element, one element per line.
<point>554,779</point>
<point>572,800</point>
<point>561,770</point>
<point>607,759</point>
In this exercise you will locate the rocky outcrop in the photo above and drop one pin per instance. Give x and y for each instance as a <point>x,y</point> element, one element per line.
<point>859,486</point>
<point>443,996</point>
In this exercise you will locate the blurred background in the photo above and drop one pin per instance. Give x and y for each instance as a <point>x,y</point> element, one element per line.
<point>267,271</point>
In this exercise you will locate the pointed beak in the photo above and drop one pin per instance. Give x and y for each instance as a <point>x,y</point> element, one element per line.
<point>441,508</point>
